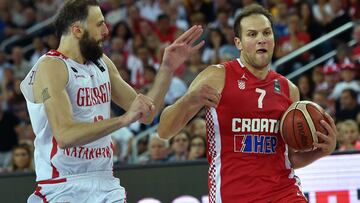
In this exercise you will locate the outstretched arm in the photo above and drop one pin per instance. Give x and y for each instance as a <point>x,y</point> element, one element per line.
<point>301,159</point>
<point>204,91</point>
<point>175,54</point>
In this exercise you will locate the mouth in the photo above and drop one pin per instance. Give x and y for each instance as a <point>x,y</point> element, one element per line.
<point>261,51</point>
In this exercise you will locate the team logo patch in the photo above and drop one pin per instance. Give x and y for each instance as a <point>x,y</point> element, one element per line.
<point>241,84</point>
<point>276,86</point>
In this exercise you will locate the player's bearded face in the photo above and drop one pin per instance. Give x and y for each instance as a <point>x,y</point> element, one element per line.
<point>90,48</point>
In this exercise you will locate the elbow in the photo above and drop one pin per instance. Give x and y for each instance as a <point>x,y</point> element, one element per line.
<point>62,144</point>
<point>163,134</point>
<point>61,141</point>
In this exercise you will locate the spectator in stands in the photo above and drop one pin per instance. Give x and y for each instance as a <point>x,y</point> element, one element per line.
<point>330,71</point>
<point>197,148</point>
<point>30,17</point>
<point>123,138</point>
<point>8,28</point>
<point>22,159</point>
<point>292,41</point>
<point>19,64</point>
<point>150,38</point>
<point>202,6</point>
<point>340,18</point>
<point>197,127</point>
<point>305,87</point>
<point>355,53</point>
<point>280,20</point>
<point>134,19</point>
<point>9,125</point>
<point>348,107</point>
<point>40,49</point>
<point>320,97</point>
<point>216,41</point>
<point>317,77</point>
<point>347,74</point>
<point>164,30</point>
<point>322,11</point>
<point>122,30</point>
<point>223,19</point>
<point>157,150</point>
<point>311,26</point>
<point>150,9</point>
<point>3,64</point>
<point>47,8</point>
<point>194,67</point>
<point>180,146</point>
<point>117,12</point>
<point>8,85</point>
<point>17,13</point>
<point>349,137</point>
<point>52,42</point>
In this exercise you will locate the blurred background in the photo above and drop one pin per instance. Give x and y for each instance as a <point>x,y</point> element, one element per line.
<point>317,48</point>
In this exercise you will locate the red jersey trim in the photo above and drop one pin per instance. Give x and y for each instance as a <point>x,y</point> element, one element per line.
<point>55,172</point>
<point>61,180</point>
<point>54,52</point>
<point>38,193</point>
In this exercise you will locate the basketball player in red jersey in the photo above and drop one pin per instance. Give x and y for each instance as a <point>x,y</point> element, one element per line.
<point>244,100</point>
<point>68,94</point>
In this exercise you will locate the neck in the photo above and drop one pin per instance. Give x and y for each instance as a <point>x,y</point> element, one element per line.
<point>67,48</point>
<point>260,73</point>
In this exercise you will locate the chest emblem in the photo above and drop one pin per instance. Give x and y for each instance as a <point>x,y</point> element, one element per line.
<point>242,82</point>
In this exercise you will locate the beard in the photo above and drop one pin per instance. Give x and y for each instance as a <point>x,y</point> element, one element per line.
<point>89,48</point>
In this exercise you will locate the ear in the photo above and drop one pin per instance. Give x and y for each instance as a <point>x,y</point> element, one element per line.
<point>238,44</point>
<point>77,30</point>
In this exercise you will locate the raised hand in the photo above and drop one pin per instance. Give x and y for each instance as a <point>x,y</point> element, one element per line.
<point>141,107</point>
<point>206,96</point>
<point>182,48</point>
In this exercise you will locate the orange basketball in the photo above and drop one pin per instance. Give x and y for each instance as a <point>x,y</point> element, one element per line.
<point>299,124</point>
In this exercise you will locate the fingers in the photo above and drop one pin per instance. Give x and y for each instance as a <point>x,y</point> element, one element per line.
<point>332,122</point>
<point>186,34</point>
<point>192,38</point>
<point>210,96</point>
<point>198,46</point>
<point>147,103</point>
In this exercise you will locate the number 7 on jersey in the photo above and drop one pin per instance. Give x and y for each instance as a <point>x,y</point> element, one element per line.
<point>261,97</point>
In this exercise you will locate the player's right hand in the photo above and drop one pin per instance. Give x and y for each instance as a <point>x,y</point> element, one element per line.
<point>141,107</point>
<point>205,95</point>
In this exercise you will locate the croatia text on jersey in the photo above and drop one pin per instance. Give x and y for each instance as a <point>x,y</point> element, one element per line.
<point>255,135</point>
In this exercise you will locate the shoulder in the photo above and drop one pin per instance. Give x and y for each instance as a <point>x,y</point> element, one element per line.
<point>294,92</point>
<point>213,76</point>
<point>52,66</point>
<point>51,70</point>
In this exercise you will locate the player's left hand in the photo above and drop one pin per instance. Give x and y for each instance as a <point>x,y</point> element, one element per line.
<point>329,144</point>
<point>182,48</point>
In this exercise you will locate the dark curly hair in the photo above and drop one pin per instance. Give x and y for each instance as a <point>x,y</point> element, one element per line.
<point>72,11</point>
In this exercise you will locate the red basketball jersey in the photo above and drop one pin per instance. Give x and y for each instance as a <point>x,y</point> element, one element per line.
<point>247,157</point>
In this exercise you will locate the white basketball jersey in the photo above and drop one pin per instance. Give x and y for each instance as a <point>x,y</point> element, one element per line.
<point>89,91</point>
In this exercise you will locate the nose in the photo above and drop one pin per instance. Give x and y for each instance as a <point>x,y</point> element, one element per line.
<point>105,31</point>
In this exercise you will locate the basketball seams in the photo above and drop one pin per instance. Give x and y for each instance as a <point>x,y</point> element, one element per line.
<point>290,108</point>
<point>293,127</point>
<point>302,108</point>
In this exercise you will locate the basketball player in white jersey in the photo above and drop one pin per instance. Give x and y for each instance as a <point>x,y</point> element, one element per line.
<point>68,93</point>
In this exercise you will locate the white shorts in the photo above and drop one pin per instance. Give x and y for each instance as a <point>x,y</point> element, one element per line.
<point>99,187</point>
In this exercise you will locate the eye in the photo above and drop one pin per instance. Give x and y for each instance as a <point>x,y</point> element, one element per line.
<point>267,33</point>
<point>252,34</point>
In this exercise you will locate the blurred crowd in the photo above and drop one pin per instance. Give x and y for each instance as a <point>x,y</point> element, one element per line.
<point>139,32</point>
